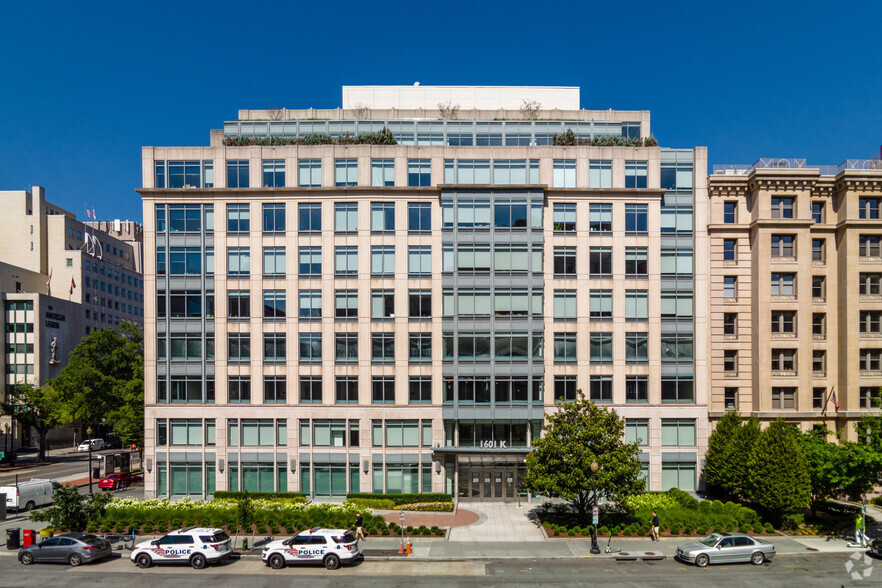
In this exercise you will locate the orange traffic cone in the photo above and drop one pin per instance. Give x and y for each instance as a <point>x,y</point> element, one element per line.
<point>409,550</point>
<point>401,548</point>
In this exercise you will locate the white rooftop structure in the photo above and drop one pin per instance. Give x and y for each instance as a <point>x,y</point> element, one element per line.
<point>467,97</point>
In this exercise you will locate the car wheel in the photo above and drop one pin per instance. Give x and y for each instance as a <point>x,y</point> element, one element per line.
<point>30,505</point>
<point>143,561</point>
<point>277,562</point>
<point>332,562</point>
<point>702,561</point>
<point>757,558</point>
<point>74,559</point>
<point>26,558</point>
<point>198,561</point>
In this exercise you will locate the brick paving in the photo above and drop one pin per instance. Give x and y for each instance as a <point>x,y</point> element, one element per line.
<point>461,518</point>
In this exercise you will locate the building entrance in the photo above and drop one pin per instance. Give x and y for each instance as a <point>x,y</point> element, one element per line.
<point>486,481</point>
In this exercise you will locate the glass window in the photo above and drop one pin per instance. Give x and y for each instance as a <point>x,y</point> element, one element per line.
<point>310,304</point>
<point>419,260</point>
<point>564,217</point>
<point>382,304</point>
<point>782,245</point>
<point>346,390</point>
<point>636,348</point>
<point>382,347</point>
<point>419,172</point>
<point>564,347</point>
<point>636,305</point>
<point>310,214</point>
<point>311,393</point>
<point>239,346</point>
<point>382,217</point>
<point>636,216</point>
<point>382,260</point>
<point>730,209</point>
<point>730,287</point>
<point>237,174</point>
<point>677,304</point>
<point>676,261</point>
<point>677,389</point>
<point>783,321</point>
<point>783,360</point>
<point>565,388</point>
<point>678,432</point>
<point>346,172</point>
<point>238,261</point>
<point>274,392</point>
<point>274,304</point>
<point>564,262</point>
<point>310,173</point>
<point>273,217</point>
<point>274,347</point>
<point>600,218</point>
<point>382,172</point>
<point>635,174</point>
<point>600,262</point>
<point>419,390</point>
<point>238,218</point>
<point>239,389</point>
<point>601,348</point>
<point>600,305</point>
<point>273,173</point>
<point>783,398</point>
<point>637,389</point>
<point>600,388</point>
<point>676,176</point>
<point>868,246</point>
<point>310,261</point>
<point>420,304</point>
<point>818,211</point>
<point>676,219</point>
<point>782,207</point>
<point>382,390</point>
<point>273,261</point>
<point>345,304</point>
<point>346,347</point>
<point>869,208</point>
<point>783,284</point>
<point>564,173</point>
<point>600,174</point>
<point>729,249</point>
<point>345,217</point>
<point>870,284</point>
<point>419,217</point>
<point>420,347</point>
<point>636,262</point>
<point>676,348</point>
<point>510,214</point>
<point>637,431</point>
<point>310,347</point>
<point>565,304</point>
<point>346,261</point>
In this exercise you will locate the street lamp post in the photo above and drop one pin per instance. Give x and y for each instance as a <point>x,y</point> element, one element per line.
<point>89,434</point>
<point>594,548</point>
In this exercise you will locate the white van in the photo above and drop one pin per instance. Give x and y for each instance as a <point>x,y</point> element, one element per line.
<point>28,495</point>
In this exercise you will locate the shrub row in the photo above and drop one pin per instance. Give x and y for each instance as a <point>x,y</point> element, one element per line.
<point>421,530</point>
<point>400,499</point>
<point>230,495</point>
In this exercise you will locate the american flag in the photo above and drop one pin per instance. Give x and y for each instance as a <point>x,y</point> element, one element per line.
<point>88,214</point>
<point>835,403</point>
<point>73,285</point>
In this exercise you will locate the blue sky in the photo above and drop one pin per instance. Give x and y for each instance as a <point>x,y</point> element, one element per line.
<point>83,85</point>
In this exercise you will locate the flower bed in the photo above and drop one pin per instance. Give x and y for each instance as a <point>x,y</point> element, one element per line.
<point>429,506</point>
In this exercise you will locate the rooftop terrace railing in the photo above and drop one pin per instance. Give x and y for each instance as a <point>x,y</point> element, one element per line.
<point>778,163</point>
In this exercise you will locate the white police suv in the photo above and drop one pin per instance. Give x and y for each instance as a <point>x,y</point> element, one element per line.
<point>330,547</point>
<point>192,545</point>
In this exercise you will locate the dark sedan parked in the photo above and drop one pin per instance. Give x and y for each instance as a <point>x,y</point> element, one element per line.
<point>72,548</point>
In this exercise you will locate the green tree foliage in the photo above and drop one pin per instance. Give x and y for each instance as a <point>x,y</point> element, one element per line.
<point>825,465</point>
<point>718,462</point>
<point>744,443</point>
<point>72,511</point>
<point>576,434</point>
<point>104,383</point>
<point>777,477</point>
<point>33,407</point>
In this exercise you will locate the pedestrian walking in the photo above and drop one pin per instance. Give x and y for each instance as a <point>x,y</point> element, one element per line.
<point>359,527</point>
<point>654,532</point>
<point>859,535</point>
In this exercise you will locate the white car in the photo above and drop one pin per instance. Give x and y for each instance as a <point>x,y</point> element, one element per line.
<point>191,545</point>
<point>95,443</point>
<point>330,547</point>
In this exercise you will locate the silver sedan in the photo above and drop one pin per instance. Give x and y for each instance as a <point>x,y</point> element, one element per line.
<point>726,548</point>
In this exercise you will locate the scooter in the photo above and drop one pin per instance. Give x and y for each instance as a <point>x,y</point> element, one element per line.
<point>608,548</point>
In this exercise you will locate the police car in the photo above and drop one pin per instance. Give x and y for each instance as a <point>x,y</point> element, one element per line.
<point>192,545</point>
<point>330,547</point>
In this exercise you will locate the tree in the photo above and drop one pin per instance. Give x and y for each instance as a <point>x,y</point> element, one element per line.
<point>718,462</point>
<point>576,434</point>
<point>825,465</point>
<point>104,381</point>
<point>743,445</point>
<point>777,475</point>
<point>72,511</point>
<point>35,408</point>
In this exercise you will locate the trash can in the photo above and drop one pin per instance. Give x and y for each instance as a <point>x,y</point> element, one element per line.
<point>13,538</point>
<point>29,537</point>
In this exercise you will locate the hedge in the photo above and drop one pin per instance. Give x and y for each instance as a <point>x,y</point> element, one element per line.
<point>229,495</point>
<point>400,499</point>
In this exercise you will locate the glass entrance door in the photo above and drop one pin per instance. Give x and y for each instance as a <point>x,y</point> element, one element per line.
<point>493,484</point>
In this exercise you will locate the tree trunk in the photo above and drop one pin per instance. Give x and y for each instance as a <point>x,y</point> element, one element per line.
<point>41,455</point>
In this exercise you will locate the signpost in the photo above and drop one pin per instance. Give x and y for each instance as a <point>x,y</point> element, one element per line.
<point>401,518</point>
<point>595,516</point>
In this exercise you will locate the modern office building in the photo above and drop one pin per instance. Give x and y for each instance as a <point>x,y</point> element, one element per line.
<point>329,310</point>
<point>59,280</point>
<point>795,295</point>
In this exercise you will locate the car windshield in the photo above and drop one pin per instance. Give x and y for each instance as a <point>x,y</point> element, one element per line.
<point>710,540</point>
<point>347,537</point>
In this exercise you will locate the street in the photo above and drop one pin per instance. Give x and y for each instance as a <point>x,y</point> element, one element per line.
<point>813,570</point>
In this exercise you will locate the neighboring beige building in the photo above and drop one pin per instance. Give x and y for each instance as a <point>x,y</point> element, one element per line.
<point>59,280</point>
<point>336,318</point>
<point>796,291</point>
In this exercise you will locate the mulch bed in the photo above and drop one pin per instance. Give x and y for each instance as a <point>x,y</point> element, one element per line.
<point>462,518</point>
